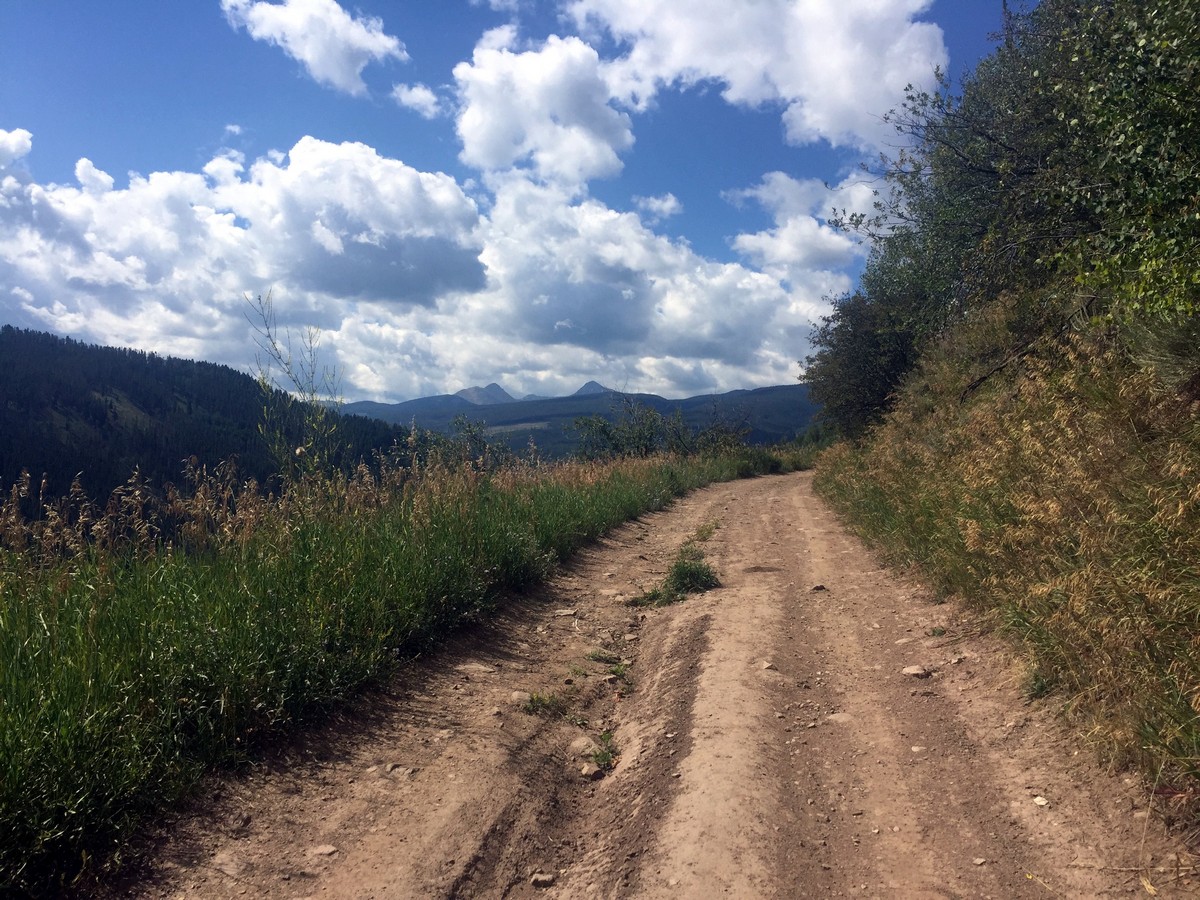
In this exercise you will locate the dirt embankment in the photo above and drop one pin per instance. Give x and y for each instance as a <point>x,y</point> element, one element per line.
<point>770,744</point>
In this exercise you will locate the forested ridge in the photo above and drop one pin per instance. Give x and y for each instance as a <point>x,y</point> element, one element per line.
<point>72,409</point>
<point>1017,376</point>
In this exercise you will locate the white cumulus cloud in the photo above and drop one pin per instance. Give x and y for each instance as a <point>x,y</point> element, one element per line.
<point>416,291</point>
<point>596,289</point>
<point>14,145</point>
<point>801,242</point>
<point>418,98</point>
<point>836,66</point>
<point>658,208</point>
<point>546,109</point>
<point>91,179</point>
<point>333,46</point>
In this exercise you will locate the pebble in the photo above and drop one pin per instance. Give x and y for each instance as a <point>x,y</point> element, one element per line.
<point>583,746</point>
<point>564,613</point>
<point>476,668</point>
<point>322,850</point>
<point>915,671</point>
<point>591,771</point>
<point>228,864</point>
<point>541,879</point>
<point>520,698</point>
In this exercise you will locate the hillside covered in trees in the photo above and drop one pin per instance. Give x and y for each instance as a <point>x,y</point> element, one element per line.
<point>1028,327</point>
<point>71,409</point>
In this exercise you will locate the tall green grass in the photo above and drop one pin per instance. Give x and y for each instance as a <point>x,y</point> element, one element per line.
<point>142,645</point>
<point>1063,498</point>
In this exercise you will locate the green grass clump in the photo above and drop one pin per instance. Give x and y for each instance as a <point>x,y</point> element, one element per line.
<point>689,574</point>
<point>620,671</point>
<point>605,757</point>
<point>551,706</point>
<point>145,643</point>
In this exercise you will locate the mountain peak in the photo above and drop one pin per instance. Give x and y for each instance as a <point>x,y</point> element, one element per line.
<point>593,387</point>
<point>485,396</point>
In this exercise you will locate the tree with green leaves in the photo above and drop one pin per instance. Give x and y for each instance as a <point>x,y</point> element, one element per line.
<point>1062,178</point>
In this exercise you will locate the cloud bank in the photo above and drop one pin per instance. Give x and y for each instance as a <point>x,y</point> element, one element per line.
<point>835,67</point>
<point>423,282</point>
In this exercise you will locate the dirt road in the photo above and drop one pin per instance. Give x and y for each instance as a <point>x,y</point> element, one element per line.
<point>769,744</point>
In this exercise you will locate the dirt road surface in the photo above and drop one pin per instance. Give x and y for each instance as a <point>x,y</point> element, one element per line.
<point>768,741</point>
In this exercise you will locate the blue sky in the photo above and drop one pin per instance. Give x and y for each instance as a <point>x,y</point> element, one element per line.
<point>535,192</point>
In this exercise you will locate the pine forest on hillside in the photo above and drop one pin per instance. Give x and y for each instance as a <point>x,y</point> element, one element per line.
<point>71,409</point>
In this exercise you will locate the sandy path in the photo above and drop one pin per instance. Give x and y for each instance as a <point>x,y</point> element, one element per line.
<point>770,745</point>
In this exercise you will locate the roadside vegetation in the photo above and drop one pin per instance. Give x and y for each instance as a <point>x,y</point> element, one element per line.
<point>148,640</point>
<point>1017,379</point>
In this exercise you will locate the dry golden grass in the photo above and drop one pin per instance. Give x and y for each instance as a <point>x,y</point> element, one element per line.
<point>1067,500</point>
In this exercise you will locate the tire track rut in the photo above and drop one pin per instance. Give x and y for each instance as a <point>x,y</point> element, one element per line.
<point>770,745</point>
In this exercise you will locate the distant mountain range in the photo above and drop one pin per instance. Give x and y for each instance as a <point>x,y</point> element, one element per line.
<point>493,394</point>
<point>771,414</point>
<point>68,408</point>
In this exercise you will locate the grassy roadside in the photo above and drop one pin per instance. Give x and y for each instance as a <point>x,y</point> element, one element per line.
<point>1063,498</point>
<point>129,663</point>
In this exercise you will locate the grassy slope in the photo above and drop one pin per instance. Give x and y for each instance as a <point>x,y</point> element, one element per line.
<point>1065,500</point>
<point>129,668</point>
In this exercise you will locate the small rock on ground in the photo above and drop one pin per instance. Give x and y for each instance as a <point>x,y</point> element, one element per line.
<point>583,747</point>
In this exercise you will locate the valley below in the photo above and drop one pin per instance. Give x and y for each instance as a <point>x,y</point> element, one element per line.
<point>816,726</point>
